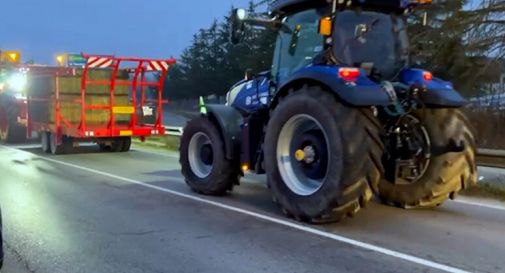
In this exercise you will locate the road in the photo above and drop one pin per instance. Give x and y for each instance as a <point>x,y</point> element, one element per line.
<point>92,212</point>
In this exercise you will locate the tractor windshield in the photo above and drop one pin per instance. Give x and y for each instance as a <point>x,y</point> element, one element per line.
<point>370,37</point>
<point>296,48</point>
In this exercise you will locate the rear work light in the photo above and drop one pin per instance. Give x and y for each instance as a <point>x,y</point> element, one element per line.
<point>349,74</point>
<point>427,76</point>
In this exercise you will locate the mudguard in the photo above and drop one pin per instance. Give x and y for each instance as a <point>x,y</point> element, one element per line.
<point>362,92</point>
<point>229,121</point>
<point>438,93</point>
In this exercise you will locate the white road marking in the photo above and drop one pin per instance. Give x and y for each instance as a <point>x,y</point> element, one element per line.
<point>286,223</point>
<point>478,204</point>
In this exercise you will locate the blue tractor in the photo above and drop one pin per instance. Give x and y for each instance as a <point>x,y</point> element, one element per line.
<point>340,117</point>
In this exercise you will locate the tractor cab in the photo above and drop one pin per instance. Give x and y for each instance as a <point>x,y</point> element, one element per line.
<point>357,36</point>
<point>369,35</point>
<point>364,43</point>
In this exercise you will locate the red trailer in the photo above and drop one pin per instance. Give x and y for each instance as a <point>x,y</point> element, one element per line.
<point>61,135</point>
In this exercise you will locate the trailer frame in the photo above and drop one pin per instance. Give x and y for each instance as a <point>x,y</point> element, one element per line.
<point>84,132</point>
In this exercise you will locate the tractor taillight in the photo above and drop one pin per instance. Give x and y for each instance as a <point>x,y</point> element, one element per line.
<point>349,74</point>
<point>427,76</point>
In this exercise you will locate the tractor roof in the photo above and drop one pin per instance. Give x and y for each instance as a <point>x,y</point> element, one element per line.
<point>286,6</point>
<point>283,6</point>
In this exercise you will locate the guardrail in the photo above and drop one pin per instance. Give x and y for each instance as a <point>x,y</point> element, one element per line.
<point>174,131</point>
<point>485,157</point>
<point>491,158</point>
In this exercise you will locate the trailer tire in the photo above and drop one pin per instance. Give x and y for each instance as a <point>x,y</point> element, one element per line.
<point>127,143</point>
<point>346,156</point>
<point>203,160</point>
<point>446,174</point>
<point>44,142</point>
<point>117,145</point>
<point>65,146</point>
<point>10,130</point>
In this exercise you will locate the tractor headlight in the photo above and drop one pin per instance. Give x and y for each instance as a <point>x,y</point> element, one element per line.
<point>17,82</point>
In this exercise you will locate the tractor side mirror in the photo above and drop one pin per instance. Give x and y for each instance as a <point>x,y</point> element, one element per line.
<point>248,75</point>
<point>238,25</point>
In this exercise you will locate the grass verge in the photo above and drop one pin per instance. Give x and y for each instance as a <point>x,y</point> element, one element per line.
<point>170,143</point>
<point>486,190</point>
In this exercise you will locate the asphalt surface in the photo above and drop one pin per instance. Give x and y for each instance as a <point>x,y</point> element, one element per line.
<point>92,212</point>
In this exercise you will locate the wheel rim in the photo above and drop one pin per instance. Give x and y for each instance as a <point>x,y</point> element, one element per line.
<point>303,155</point>
<point>52,143</point>
<point>413,159</point>
<point>201,155</point>
<point>45,141</point>
<point>4,125</point>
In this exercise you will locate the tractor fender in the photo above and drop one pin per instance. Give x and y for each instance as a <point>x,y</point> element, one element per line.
<point>362,92</point>
<point>438,93</point>
<point>443,98</point>
<point>229,122</point>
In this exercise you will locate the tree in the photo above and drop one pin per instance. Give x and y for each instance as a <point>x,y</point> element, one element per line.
<point>211,64</point>
<point>461,42</point>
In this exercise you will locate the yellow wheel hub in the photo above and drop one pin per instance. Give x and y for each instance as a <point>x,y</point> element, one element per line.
<point>300,155</point>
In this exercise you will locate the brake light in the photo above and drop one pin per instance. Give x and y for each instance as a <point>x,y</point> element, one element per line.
<point>427,76</point>
<point>349,74</point>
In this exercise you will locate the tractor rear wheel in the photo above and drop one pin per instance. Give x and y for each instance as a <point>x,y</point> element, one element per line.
<point>322,157</point>
<point>437,164</point>
<point>203,161</point>
<point>10,130</point>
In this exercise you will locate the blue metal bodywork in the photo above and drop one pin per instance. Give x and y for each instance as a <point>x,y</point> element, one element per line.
<point>438,93</point>
<point>254,95</point>
<point>362,92</point>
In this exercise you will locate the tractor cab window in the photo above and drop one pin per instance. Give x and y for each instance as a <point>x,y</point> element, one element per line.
<point>296,48</point>
<point>371,37</point>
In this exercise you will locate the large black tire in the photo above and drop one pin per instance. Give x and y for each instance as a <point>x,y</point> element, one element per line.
<point>355,151</point>
<point>127,143</point>
<point>117,145</point>
<point>224,173</point>
<point>65,147</point>
<point>447,174</point>
<point>13,132</point>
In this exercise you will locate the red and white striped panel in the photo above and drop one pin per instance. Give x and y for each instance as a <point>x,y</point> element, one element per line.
<point>99,62</point>
<point>158,66</point>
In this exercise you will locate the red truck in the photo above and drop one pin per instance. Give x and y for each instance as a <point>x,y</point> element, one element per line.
<point>64,113</point>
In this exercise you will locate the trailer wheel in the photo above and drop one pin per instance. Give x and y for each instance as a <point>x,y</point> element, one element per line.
<point>127,143</point>
<point>10,130</point>
<point>429,177</point>
<point>44,141</point>
<point>63,148</point>
<point>203,161</point>
<point>322,158</point>
<point>117,145</point>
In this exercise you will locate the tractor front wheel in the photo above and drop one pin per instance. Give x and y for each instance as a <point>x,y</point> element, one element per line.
<point>430,158</point>
<point>203,161</point>
<point>322,157</point>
